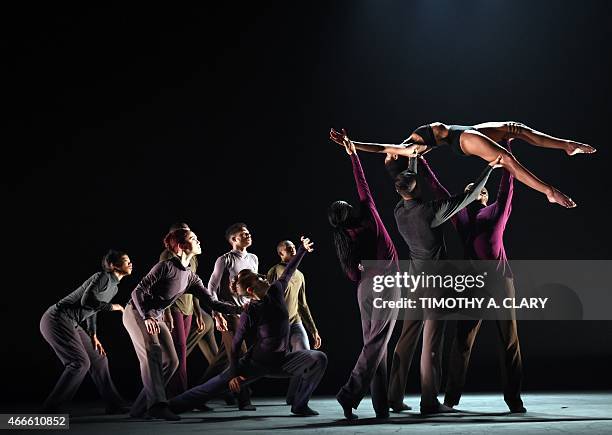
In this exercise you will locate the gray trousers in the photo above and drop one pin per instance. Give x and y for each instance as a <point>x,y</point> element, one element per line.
<point>510,356</point>
<point>73,347</point>
<point>157,357</point>
<point>298,340</point>
<point>370,371</point>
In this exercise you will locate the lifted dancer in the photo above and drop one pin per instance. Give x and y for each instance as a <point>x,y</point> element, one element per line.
<point>70,329</point>
<point>266,318</point>
<point>481,140</point>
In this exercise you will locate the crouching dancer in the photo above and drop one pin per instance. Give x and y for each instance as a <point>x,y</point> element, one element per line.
<point>267,319</point>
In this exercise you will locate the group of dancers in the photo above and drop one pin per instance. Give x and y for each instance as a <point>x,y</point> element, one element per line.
<point>171,311</point>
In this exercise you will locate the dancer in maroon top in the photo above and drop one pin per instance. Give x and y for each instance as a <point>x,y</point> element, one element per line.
<point>357,237</point>
<point>481,228</point>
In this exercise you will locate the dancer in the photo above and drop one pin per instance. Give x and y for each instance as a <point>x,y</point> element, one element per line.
<point>267,319</point>
<point>481,228</point>
<point>142,318</point>
<point>70,328</point>
<point>357,237</point>
<point>481,140</point>
<point>179,317</point>
<point>226,268</point>
<point>299,313</point>
<point>419,222</point>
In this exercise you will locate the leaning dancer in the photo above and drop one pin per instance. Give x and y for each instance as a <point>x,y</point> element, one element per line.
<point>299,313</point>
<point>142,318</point>
<point>481,140</point>
<point>481,228</point>
<point>266,318</point>
<point>360,237</point>
<point>70,329</point>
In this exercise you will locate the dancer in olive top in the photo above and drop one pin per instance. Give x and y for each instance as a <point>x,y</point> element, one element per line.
<point>481,140</point>
<point>360,236</point>
<point>142,318</point>
<point>299,313</point>
<point>481,228</point>
<point>70,328</point>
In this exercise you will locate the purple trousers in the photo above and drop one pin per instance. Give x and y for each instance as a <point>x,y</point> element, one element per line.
<point>182,325</point>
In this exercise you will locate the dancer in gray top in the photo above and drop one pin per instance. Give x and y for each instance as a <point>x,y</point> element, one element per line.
<point>70,328</point>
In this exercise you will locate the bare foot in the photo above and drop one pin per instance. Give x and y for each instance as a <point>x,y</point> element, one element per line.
<point>578,148</point>
<point>561,199</point>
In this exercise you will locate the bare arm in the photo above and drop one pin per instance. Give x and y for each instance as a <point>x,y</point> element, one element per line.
<point>409,149</point>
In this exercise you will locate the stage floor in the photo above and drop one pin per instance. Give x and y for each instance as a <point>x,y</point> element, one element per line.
<point>574,413</point>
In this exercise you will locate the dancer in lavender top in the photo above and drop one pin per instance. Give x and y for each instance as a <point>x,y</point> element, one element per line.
<point>142,318</point>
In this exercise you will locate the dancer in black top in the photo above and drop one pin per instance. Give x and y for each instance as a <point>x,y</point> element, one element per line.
<point>481,140</point>
<point>419,223</point>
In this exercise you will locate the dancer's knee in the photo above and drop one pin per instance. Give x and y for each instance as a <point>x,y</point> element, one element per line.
<point>514,129</point>
<point>79,365</point>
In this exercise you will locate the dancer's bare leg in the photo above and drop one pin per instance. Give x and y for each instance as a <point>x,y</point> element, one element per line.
<point>498,131</point>
<point>475,143</point>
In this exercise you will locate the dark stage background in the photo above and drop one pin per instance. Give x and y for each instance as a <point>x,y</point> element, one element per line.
<point>123,121</point>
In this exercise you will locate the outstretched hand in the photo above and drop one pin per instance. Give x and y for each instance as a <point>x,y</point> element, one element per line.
<point>342,139</point>
<point>307,243</point>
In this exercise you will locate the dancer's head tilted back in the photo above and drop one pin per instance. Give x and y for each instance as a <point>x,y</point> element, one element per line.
<point>406,185</point>
<point>286,250</point>
<point>250,284</point>
<point>117,262</point>
<point>483,198</point>
<point>238,236</point>
<point>182,241</point>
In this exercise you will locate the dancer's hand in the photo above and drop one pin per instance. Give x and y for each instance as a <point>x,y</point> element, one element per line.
<point>168,320</point>
<point>497,163</point>
<point>220,323</point>
<point>152,326</point>
<point>317,339</point>
<point>308,245</point>
<point>116,307</point>
<point>234,383</point>
<point>342,139</point>
<point>97,345</point>
<point>200,321</point>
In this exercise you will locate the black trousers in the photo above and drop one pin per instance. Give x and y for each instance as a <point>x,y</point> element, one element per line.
<point>510,356</point>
